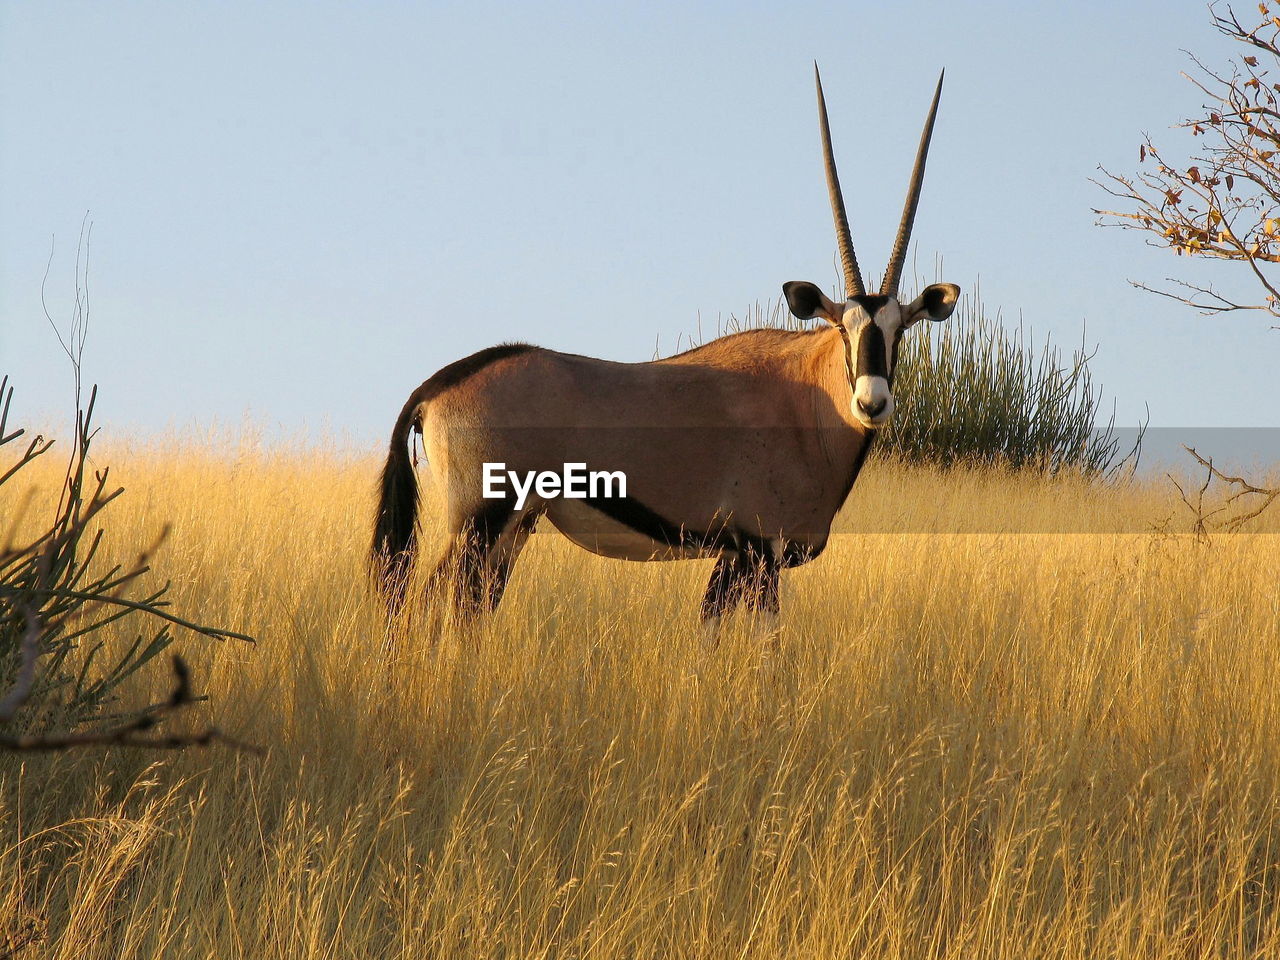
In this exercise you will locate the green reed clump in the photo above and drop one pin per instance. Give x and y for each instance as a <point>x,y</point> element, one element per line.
<point>972,390</point>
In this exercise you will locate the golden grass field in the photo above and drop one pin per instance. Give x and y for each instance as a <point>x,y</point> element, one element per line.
<point>966,745</point>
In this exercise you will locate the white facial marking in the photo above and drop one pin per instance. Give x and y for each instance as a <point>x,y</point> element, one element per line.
<point>889,319</point>
<point>854,316</point>
<point>868,394</point>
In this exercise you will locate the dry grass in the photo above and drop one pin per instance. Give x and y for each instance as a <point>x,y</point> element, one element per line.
<point>967,745</point>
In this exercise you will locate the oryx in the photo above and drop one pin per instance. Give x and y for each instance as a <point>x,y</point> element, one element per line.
<point>741,450</point>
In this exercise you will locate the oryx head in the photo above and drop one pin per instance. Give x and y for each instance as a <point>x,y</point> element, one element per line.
<point>872,324</point>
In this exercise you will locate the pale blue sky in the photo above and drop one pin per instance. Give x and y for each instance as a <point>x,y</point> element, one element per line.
<point>302,210</point>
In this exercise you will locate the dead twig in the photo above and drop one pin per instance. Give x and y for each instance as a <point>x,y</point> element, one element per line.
<point>1243,489</point>
<point>132,733</point>
<point>1201,525</point>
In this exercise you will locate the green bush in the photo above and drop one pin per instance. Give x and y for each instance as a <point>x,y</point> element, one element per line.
<point>972,390</point>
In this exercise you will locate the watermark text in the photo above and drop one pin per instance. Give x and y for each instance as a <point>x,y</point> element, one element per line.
<point>574,482</point>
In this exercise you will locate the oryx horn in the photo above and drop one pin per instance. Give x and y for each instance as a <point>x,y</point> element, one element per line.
<point>893,273</point>
<point>852,277</point>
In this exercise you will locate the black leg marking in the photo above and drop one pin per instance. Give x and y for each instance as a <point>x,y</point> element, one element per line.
<point>795,553</point>
<point>479,534</point>
<point>750,576</point>
<point>718,600</point>
<point>484,528</point>
<point>490,547</point>
<point>762,587</point>
<point>500,572</point>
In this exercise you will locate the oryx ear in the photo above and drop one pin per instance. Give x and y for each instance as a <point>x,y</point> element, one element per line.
<point>807,301</point>
<point>936,302</point>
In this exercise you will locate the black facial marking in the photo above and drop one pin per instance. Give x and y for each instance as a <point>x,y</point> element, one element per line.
<point>893,359</point>
<point>871,346</point>
<point>871,352</point>
<point>870,302</point>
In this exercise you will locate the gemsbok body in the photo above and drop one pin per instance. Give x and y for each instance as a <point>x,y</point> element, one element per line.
<point>741,450</point>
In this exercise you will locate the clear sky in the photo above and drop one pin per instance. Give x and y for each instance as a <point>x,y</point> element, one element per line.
<point>300,211</point>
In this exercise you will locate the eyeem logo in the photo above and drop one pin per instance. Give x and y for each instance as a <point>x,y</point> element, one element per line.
<point>574,483</point>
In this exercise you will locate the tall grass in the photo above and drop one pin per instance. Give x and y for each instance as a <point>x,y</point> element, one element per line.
<point>964,746</point>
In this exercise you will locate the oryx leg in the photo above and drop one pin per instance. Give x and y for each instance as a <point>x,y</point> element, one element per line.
<point>746,576</point>
<point>501,558</point>
<point>760,590</point>
<point>762,599</point>
<point>721,595</point>
<point>491,542</point>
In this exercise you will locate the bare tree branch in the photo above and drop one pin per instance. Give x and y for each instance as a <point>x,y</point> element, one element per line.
<point>1201,526</point>
<point>1217,303</point>
<point>1243,489</point>
<point>1223,201</point>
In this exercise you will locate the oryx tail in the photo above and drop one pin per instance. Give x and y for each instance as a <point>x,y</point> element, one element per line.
<point>395,528</point>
